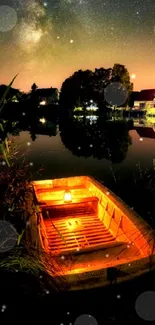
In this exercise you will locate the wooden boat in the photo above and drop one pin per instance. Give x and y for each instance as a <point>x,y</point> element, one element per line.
<point>94,234</point>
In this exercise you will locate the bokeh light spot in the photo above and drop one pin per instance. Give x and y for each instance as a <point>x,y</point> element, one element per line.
<point>145,305</point>
<point>8,18</point>
<point>115,94</point>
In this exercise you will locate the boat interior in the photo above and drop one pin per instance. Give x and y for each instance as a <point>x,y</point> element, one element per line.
<point>78,215</point>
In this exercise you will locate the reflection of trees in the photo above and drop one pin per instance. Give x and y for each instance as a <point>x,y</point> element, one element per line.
<point>33,135</point>
<point>103,139</point>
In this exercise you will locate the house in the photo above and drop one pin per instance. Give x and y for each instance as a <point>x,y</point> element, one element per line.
<point>132,98</point>
<point>47,96</point>
<point>145,100</point>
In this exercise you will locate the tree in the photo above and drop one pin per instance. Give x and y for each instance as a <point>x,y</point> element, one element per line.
<point>34,87</point>
<point>87,85</point>
<point>76,89</point>
<point>121,74</point>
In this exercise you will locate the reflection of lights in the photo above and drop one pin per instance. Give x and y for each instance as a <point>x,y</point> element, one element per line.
<point>67,196</point>
<point>140,139</point>
<point>92,117</point>
<point>43,102</point>
<point>42,120</point>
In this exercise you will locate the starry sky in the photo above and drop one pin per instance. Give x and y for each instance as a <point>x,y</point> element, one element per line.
<point>46,41</point>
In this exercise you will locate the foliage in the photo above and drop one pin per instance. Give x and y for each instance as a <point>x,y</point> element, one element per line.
<point>33,262</point>
<point>121,74</point>
<point>87,85</point>
<point>6,93</point>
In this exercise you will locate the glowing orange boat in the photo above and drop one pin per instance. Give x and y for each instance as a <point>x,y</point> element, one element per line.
<point>81,218</point>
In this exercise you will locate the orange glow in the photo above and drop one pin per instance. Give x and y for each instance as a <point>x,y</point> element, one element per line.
<point>85,216</point>
<point>67,196</point>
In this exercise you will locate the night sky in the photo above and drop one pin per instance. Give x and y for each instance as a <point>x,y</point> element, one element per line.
<point>46,41</point>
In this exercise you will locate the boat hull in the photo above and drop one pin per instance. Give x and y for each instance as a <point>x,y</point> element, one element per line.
<point>125,250</point>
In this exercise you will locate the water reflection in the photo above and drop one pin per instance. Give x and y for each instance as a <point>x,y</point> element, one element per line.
<point>97,138</point>
<point>145,127</point>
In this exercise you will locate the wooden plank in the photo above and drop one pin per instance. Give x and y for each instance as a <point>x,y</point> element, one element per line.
<point>69,234</point>
<point>59,188</point>
<point>51,203</point>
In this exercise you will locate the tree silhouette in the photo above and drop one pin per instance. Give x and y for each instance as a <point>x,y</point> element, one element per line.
<point>34,87</point>
<point>83,86</point>
<point>121,74</point>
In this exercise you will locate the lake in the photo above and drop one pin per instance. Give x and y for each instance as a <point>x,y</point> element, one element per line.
<point>113,152</point>
<point>117,153</point>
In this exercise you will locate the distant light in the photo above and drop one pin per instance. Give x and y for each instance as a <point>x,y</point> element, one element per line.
<point>133,76</point>
<point>140,139</point>
<point>71,41</point>
<point>42,120</point>
<point>45,4</point>
<point>43,103</point>
<point>58,37</point>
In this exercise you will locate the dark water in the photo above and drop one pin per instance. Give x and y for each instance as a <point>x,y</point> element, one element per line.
<point>71,152</point>
<point>117,154</point>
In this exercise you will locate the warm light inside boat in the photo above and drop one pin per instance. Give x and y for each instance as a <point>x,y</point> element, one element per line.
<point>72,224</point>
<point>67,196</point>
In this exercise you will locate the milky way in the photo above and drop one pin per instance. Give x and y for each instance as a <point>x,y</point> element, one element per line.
<point>52,39</point>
